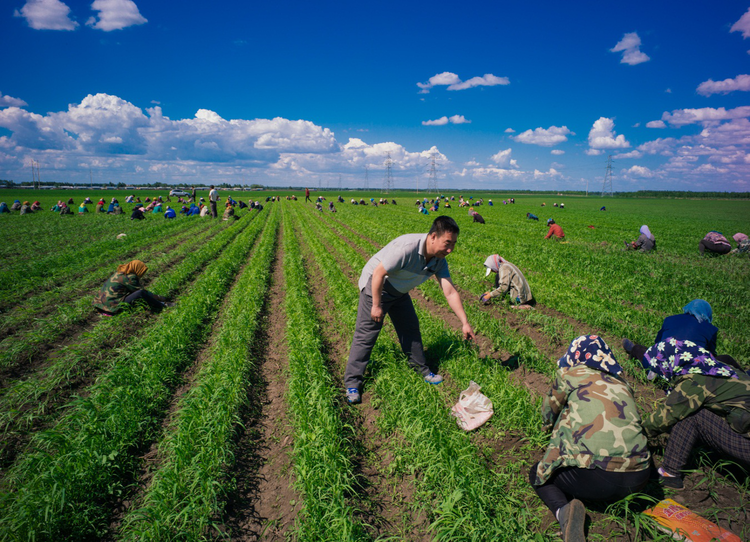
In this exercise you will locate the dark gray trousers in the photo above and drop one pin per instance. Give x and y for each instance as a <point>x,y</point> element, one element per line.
<point>399,308</point>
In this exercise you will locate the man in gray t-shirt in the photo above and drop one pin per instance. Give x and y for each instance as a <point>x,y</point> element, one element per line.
<point>403,264</point>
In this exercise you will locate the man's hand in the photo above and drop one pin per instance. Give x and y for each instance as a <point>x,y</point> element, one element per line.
<point>377,313</point>
<point>468,332</point>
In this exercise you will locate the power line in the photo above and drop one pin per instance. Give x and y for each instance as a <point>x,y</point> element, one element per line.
<point>367,178</point>
<point>607,185</point>
<point>388,180</point>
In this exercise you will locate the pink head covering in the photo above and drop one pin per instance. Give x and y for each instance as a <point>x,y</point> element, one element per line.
<point>739,237</point>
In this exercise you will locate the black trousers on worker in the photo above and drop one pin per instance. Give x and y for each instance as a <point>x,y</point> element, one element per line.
<point>149,298</point>
<point>716,248</point>
<point>710,429</point>
<point>214,213</point>
<point>399,308</point>
<point>570,483</point>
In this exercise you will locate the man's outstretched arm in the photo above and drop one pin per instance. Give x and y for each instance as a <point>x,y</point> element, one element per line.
<point>454,301</point>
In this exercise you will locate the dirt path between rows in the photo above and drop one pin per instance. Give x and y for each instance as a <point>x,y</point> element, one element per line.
<point>264,505</point>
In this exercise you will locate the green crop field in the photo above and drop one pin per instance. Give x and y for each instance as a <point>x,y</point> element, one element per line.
<point>224,417</point>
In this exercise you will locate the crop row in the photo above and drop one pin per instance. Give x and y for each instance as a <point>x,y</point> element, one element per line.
<point>458,491</point>
<point>188,490</point>
<point>26,400</point>
<point>65,486</point>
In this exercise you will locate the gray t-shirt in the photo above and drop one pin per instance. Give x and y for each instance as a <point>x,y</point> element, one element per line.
<point>405,264</point>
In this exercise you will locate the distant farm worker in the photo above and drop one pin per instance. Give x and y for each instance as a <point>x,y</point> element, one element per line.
<point>403,264</point>
<point>508,281</point>
<point>646,241</point>
<point>130,199</point>
<point>4,208</point>
<point>743,244</point>
<point>65,210</point>
<point>36,206</point>
<point>194,210</point>
<point>478,218</point>
<point>229,212</point>
<point>307,195</point>
<point>116,209</point>
<point>554,229</point>
<point>16,206</point>
<point>169,213</point>
<point>71,202</point>
<point>137,213</point>
<point>489,202</point>
<point>111,206</point>
<point>82,208</point>
<point>598,450</point>
<point>56,207</point>
<point>205,211</point>
<point>532,217</point>
<point>331,207</point>
<point>709,404</point>
<point>715,243</point>
<point>125,287</point>
<point>603,208</point>
<point>26,208</point>
<point>157,208</point>
<point>213,197</point>
<point>184,210</point>
<point>192,194</point>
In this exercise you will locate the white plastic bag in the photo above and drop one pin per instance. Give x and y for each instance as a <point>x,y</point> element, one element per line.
<point>473,408</point>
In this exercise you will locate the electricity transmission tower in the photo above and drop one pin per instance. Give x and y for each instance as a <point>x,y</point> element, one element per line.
<point>320,183</point>
<point>388,180</point>
<point>432,186</point>
<point>35,174</point>
<point>607,186</point>
<point>367,178</point>
<point>339,181</point>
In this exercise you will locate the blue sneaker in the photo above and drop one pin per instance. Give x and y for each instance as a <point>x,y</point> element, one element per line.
<point>432,378</point>
<point>352,395</point>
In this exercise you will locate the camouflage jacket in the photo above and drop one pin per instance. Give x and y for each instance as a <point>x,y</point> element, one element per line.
<point>115,290</point>
<point>727,397</point>
<point>510,280</point>
<point>595,424</point>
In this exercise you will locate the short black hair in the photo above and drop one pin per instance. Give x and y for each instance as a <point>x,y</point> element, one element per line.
<point>212,186</point>
<point>444,224</point>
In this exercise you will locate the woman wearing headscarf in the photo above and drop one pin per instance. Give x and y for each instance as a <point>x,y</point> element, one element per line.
<point>56,207</point>
<point>100,206</point>
<point>71,201</point>
<point>4,208</point>
<point>743,243</point>
<point>124,286</point>
<point>157,209</point>
<point>194,210</point>
<point>709,403</point>
<point>16,206</point>
<point>597,449</point>
<point>645,242</point>
<point>26,208</point>
<point>554,229</point>
<point>508,280</point>
<point>36,206</point>
<point>229,211</point>
<point>111,207</point>
<point>715,243</point>
<point>82,208</point>
<point>137,213</point>
<point>65,209</point>
<point>694,324</point>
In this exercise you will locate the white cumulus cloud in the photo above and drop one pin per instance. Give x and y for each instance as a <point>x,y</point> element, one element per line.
<point>656,124</point>
<point>8,101</point>
<point>743,25</point>
<point>502,158</point>
<point>557,152</point>
<point>46,15</point>
<point>741,82</point>
<point>681,117</point>
<point>442,121</point>
<point>639,171</point>
<point>630,46</point>
<point>545,137</point>
<point>115,15</point>
<point>602,136</point>
<point>453,82</point>
<point>510,131</point>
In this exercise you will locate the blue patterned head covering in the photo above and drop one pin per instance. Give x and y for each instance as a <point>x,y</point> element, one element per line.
<point>590,350</point>
<point>700,309</point>
<point>672,358</point>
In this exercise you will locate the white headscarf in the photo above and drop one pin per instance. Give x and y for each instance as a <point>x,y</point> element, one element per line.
<point>645,231</point>
<point>492,263</point>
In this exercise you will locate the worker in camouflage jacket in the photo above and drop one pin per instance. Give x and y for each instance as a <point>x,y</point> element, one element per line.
<point>508,281</point>
<point>709,403</point>
<point>597,449</point>
<point>124,286</point>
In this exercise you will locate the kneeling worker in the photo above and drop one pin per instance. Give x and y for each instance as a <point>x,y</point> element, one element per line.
<point>403,264</point>
<point>508,280</point>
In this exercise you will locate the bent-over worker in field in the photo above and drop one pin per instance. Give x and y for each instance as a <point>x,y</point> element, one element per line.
<point>597,450</point>
<point>508,280</point>
<point>124,286</point>
<point>554,229</point>
<point>403,264</point>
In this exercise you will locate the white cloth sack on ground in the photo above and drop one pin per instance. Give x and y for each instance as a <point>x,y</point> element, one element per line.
<point>473,408</point>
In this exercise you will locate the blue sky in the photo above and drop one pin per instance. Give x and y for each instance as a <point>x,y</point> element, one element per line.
<point>505,96</point>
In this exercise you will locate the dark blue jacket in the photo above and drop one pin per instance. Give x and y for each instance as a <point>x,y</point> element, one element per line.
<point>687,327</point>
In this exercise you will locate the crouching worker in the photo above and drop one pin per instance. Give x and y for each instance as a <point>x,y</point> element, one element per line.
<point>125,287</point>
<point>597,451</point>
<point>508,280</point>
<point>710,404</point>
<point>403,264</point>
